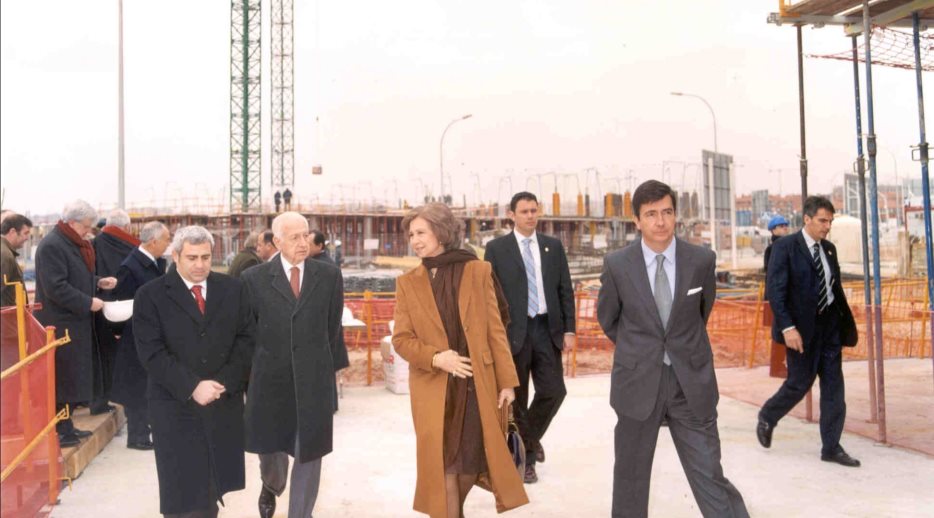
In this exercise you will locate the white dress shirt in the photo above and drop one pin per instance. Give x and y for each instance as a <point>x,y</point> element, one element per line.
<point>651,265</point>
<point>537,259</point>
<point>828,274</point>
<point>287,266</point>
<point>203,284</point>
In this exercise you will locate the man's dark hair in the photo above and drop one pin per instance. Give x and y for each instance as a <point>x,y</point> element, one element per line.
<point>649,192</point>
<point>267,236</point>
<point>15,222</point>
<point>317,237</point>
<point>814,204</point>
<point>519,196</point>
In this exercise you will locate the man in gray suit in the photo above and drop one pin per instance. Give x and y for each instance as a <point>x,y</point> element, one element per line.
<point>655,298</point>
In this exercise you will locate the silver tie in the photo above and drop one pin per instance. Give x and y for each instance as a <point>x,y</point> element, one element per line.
<point>662,296</point>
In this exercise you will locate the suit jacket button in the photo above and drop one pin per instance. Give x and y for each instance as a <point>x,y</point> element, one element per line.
<point>202,333</point>
<point>204,360</point>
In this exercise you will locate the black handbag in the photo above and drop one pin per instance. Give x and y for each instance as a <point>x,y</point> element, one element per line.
<point>514,440</point>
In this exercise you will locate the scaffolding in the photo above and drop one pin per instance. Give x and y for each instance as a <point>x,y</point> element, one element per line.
<point>283,100</point>
<point>245,105</point>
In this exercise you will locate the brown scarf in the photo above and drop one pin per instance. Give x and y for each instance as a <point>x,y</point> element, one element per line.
<point>445,284</point>
<point>84,246</point>
<point>121,234</point>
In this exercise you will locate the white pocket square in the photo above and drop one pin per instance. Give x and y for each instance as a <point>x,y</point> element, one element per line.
<point>692,291</point>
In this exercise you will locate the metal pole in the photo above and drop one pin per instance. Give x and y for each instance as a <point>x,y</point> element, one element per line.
<point>804,151</point>
<point>732,173</point>
<point>874,204</point>
<point>864,229</point>
<point>713,206</point>
<point>121,189</point>
<point>925,178</point>
<point>441,154</point>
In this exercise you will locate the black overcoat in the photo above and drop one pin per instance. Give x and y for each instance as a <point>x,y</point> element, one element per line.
<point>109,253</point>
<point>179,347</point>
<point>129,379</point>
<point>299,348</point>
<point>65,287</point>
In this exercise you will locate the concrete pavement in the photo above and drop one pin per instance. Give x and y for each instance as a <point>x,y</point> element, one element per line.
<point>372,470</point>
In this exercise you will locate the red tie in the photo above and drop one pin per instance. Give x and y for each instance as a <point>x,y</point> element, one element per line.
<point>294,277</point>
<point>196,289</point>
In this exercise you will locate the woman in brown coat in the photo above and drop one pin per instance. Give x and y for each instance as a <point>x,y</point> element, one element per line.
<point>448,326</point>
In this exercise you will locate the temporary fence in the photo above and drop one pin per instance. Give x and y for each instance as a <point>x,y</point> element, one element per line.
<point>31,457</point>
<point>739,329</point>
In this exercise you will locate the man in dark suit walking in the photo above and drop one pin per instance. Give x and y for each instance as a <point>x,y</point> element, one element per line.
<point>533,271</point>
<point>296,304</point>
<point>813,320</point>
<point>194,339</point>
<point>142,265</point>
<point>655,299</point>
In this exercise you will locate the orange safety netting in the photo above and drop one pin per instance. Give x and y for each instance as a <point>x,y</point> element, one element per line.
<point>26,409</point>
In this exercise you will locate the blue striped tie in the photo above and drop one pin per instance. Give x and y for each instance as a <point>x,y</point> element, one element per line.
<point>530,276</point>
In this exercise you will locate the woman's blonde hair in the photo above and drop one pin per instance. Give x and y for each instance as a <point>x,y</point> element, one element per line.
<point>447,228</point>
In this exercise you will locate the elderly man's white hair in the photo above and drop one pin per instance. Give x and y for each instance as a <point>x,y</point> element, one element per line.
<point>118,218</point>
<point>80,211</point>
<point>152,231</point>
<point>286,217</point>
<point>193,235</point>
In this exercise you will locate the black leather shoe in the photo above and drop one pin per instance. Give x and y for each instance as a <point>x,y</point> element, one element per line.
<point>68,440</point>
<point>764,433</point>
<point>530,476</point>
<point>81,434</point>
<point>841,457</point>
<point>539,453</point>
<point>267,503</point>
<point>107,409</point>
<point>144,445</point>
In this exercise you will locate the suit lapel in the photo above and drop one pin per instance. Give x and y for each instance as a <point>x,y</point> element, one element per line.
<point>279,282</point>
<point>682,276</point>
<point>465,292</point>
<point>639,276</point>
<point>182,296</point>
<point>803,246</point>
<point>309,281</point>
<point>426,300</point>
<point>513,247</point>
<point>215,296</point>
<point>543,252</point>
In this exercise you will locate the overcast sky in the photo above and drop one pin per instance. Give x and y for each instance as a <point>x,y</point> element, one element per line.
<point>552,86</point>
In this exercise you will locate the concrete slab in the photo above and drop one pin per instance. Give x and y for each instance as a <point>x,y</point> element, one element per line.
<point>372,470</point>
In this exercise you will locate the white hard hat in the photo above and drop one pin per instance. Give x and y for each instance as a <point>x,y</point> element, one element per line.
<point>118,310</point>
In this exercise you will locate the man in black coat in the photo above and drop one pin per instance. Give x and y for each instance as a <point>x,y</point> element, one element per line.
<point>296,304</point>
<point>813,320</point>
<point>533,270</point>
<point>194,340</point>
<point>111,247</point>
<point>67,289</point>
<point>319,251</point>
<point>129,389</point>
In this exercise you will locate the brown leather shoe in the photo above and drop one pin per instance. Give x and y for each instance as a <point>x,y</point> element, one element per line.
<point>530,476</point>
<point>539,453</point>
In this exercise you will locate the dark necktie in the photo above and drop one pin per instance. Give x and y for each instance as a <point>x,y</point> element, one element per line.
<point>196,289</point>
<point>294,277</point>
<point>821,278</point>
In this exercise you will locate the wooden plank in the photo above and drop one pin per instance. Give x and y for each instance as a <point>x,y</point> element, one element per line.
<point>103,427</point>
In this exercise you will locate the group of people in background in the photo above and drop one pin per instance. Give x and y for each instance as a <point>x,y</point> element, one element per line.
<point>212,366</point>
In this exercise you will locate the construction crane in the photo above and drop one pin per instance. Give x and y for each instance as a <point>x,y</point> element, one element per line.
<point>283,102</point>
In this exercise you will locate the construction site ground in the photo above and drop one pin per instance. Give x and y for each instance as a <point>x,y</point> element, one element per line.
<point>371,472</point>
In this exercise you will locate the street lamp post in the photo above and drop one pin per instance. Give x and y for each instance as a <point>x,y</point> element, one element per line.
<point>441,150</point>
<point>716,151</point>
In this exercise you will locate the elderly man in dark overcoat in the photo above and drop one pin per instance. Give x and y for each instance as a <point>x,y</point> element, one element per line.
<point>194,340</point>
<point>296,303</point>
<point>144,264</point>
<point>111,247</point>
<point>68,290</point>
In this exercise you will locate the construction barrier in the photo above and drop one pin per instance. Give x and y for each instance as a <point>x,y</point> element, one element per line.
<point>31,457</point>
